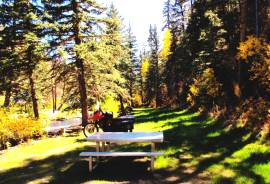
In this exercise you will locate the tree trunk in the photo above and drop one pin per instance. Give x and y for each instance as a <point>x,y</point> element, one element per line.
<point>266,27</point>
<point>191,7</point>
<point>62,96</point>
<point>82,87</point>
<point>243,19</point>
<point>157,85</point>
<point>183,17</point>
<point>55,97</point>
<point>122,108</point>
<point>7,97</point>
<point>131,93</point>
<point>256,18</point>
<point>141,91</point>
<point>33,93</point>
<point>79,63</point>
<point>30,51</point>
<point>243,22</point>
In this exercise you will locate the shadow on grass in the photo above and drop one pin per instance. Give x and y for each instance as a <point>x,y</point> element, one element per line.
<point>199,136</point>
<point>45,170</point>
<point>159,114</point>
<point>204,139</point>
<point>69,168</point>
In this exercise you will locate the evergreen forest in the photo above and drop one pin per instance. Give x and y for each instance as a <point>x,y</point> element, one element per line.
<point>209,66</point>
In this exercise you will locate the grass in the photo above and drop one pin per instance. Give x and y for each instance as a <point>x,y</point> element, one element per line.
<point>197,150</point>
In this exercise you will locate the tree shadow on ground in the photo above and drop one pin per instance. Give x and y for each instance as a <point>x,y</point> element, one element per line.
<point>44,170</point>
<point>205,140</point>
<point>160,115</point>
<point>69,168</point>
<point>194,137</point>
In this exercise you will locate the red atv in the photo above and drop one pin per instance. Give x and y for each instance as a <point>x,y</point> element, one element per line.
<point>106,122</point>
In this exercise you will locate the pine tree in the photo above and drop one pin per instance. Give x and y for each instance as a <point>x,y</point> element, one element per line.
<point>144,77</point>
<point>242,25</point>
<point>25,40</point>
<point>167,13</point>
<point>176,21</point>
<point>76,24</point>
<point>153,75</point>
<point>132,69</point>
<point>8,56</point>
<point>116,61</point>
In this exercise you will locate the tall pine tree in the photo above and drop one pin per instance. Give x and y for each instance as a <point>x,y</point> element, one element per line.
<point>153,74</point>
<point>131,69</point>
<point>77,22</point>
<point>23,40</point>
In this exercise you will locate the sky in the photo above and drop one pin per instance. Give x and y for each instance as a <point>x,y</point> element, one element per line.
<point>140,14</point>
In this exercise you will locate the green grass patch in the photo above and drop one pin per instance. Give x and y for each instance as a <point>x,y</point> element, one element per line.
<point>196,149</point>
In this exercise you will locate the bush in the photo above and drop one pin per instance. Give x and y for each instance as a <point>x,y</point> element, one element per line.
<point>17,128</point>
<point>206,91</point>
<point>256,52</point>
<point>137,101</point>
<point>252,114</point>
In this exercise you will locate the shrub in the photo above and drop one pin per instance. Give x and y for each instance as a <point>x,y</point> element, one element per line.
<point>251,113</point>
<point>206,91</point>
<point>17,128</point>
<point>256,52</point>
<point>137,101</point>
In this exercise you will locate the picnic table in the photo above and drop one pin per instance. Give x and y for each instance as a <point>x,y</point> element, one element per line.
<point>104,139</point>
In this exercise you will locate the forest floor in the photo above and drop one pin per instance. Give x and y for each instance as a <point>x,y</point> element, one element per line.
<point>197,150</point>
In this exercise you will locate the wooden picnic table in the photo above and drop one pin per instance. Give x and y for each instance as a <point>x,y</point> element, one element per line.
<point>101,138</point>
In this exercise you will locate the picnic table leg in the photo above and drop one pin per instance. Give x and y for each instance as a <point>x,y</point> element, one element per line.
<point>152,158</point>
<point>97,149</point>
<point>103,146</point>
<point>107,146</point>
<point>90,164</point>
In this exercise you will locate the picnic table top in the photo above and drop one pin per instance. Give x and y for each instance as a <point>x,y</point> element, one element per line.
<point>126,137</point>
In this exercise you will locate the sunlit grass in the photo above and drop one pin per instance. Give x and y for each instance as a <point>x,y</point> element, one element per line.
<point>231,167</point>
<point>164,162</point>
<point>23,154</point>
<point>193,146</point>
<point>263,169</point>
<point>214,134</point>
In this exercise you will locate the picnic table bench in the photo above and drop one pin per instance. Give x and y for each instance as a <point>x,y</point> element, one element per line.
<point>101,138</point>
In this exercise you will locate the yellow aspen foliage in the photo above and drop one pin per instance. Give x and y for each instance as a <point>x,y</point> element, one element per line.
<point>257,51</point>
<point>194,90</point>
<point>166,49</point>
<point>137,99</point>
<point>205,89</point>
<point>251,47</point>
<point>145,67</point>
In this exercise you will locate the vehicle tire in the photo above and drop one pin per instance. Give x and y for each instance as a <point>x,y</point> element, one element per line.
<point>89,129</point>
